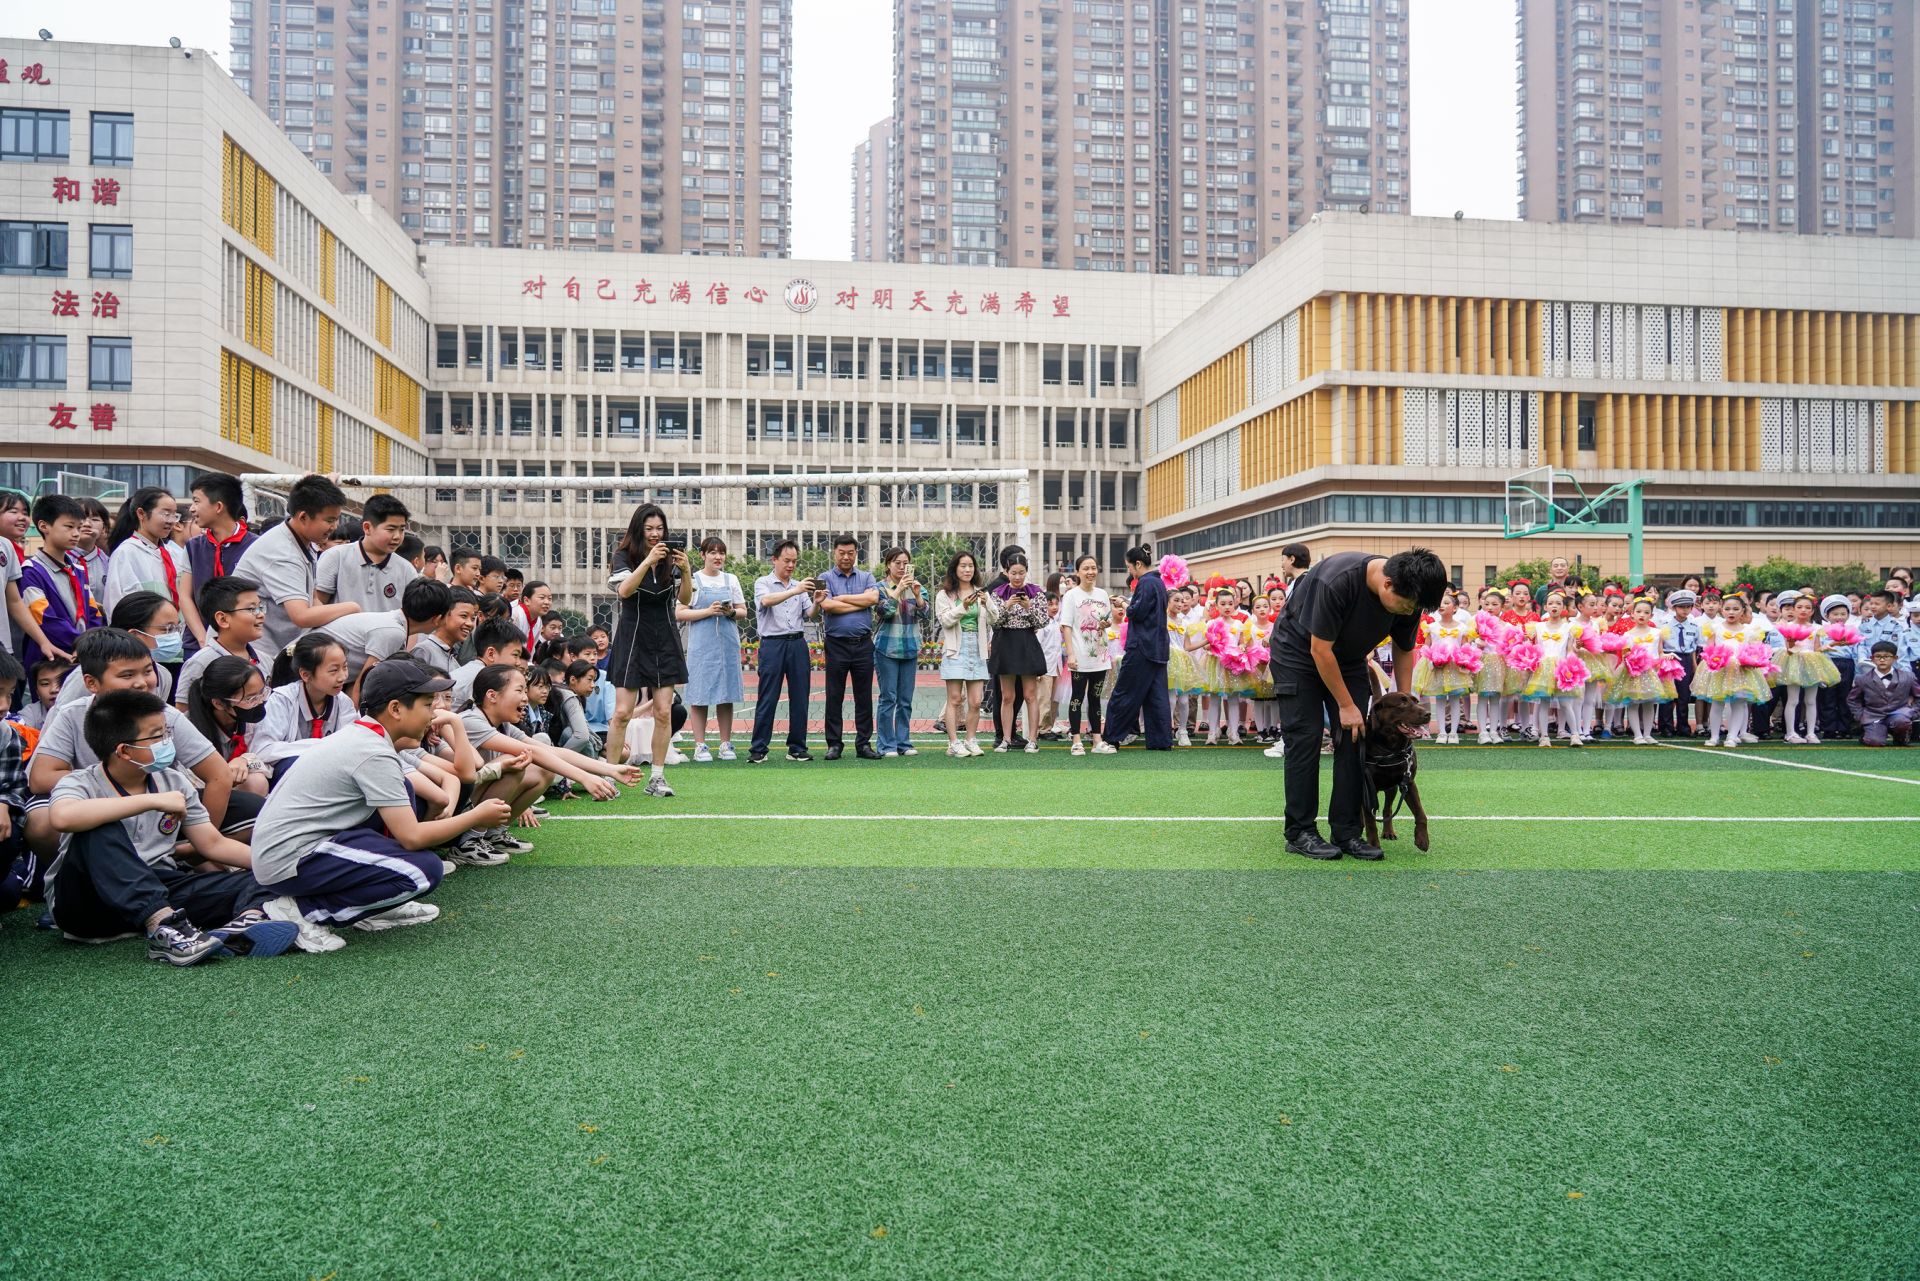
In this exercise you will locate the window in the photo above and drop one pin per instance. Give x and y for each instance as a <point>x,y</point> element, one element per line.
<point>110,363</point>
<point>112,138</point>
<point>110,252</point>
<point>33,361</point>
<point>33,248</point>
<point>32,135</point>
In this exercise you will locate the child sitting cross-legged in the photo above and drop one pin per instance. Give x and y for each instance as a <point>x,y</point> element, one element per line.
<point>120,820</point>
<point>346,845</point>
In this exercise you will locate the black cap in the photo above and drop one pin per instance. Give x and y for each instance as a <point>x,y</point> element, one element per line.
<point>398,678</point>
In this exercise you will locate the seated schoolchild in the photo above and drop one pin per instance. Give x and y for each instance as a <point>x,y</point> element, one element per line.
<point>154,619</point>
<point>494,642</point>
<point>19,867</point>
<point>44,682</point>
<point>112,659</point>
<point>306,704</point>
<point>227,702</point>
<point>236,620</point>
<point>120,821</point>
<point>438,647</point>
<point>499,697</point>
<point>345,846</point>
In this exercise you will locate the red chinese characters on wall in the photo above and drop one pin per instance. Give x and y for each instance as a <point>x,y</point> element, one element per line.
<point>719,293</point>
<point>101,416</point>
<point>34,73</point>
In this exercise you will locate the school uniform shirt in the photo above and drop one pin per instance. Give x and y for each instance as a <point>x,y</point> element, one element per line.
<point>283,565</point>
<point>195,667</point>
<point>430,650</point>
<point>141,566</point>
<point>73,688</point>
<point>567,720</point>
<point>210,559</point>
<point>33,716</point>
<point>462,678</point>
<point>10,635</point>
<point>350,574</point>
<point>57,595</point>
<point>291,729</point>
<point>96,563</point>
<point>1683,636</point>
<point>481,732</point>
<point>525,619</point>
<point>64,740</point>
<point>152,832</point>
<point>344,780</point>
<point>368,635</point>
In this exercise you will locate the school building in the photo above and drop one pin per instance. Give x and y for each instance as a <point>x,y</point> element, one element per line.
<point>180,289</point>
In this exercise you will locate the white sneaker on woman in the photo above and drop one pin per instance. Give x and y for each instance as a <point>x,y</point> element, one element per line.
<point>726,751</point>
<point>700,754</point>
<point>958,750</point>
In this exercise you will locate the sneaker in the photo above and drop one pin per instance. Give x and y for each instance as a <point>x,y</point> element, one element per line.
<point>254,934</point>
<point>676,757</point>
<point>888,755</point>
<point>909,751</point>
<point>1000,746</point>
<point>726,752</point>
<point>506,842</point>
<point>474,849</point>
<point>410,913</point>
<point>1076,749</point>
<point>1749,738</point>
<point>92,941</point>
<point>177,941</point>
<point>974,748</point>
<point>701,756</point>
<point>1104,748</point>
<point>1813,740</point>
<point>801,754</point>
<point>1793,738</point>
<point>657,786</point>
<point>756,758</point>
<point>539,811</point>
<point>1031,749</point>
<point>311,937</point>
<point>940,726</point>
<point>958,751</point>
<point>1182,739</point>
<point>1277,752</point>
<point>1019,741</point>
<point>448,867</point>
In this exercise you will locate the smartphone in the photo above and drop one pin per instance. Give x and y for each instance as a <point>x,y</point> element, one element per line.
<point>676,544</point>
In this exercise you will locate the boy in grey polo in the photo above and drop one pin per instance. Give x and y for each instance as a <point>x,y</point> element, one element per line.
<point>282,562</point>
<point>371,573</point>
<point>120,821</point>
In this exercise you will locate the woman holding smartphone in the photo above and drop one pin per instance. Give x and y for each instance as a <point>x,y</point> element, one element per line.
<point>966,614</point>
<point>713,650</point>
<point>652,576</point>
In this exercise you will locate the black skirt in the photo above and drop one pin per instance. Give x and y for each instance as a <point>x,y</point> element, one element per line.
<point>1017,652</point>
<point>646,652</point>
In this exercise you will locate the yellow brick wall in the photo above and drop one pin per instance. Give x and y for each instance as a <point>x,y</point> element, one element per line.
<point>1822,348</point>
<point>1167,487</point>
<point>1215,394</point>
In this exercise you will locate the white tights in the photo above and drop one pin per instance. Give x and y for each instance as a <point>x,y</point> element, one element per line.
<point>1795,697</point>
<point>1449,710</point>
<point>1727,721</point>
<point>1491,721</point>
<point>1590,708</point>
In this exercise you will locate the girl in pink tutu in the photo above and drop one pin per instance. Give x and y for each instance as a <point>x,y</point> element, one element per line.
<point>1640,684</point>
<point>1556,678</point>
<point>1733,670</point>
<point>1443,675</point>
<point>1804,670</point>
<point>1490,683</point>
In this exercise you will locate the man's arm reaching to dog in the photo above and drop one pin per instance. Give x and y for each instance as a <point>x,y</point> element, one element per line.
<point>1351,718</point>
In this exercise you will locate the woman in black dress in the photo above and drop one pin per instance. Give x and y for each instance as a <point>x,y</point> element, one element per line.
<point>649,576</point>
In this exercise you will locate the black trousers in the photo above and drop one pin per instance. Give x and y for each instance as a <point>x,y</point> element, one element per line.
<point>783,661</point>
<point>1672,717</point>
<point>102,887</point>
<point>1086,694</point>
<point>849,656</point>
<point>1831,702</point>
<point>1305,704</point>
<point>1141,695</point>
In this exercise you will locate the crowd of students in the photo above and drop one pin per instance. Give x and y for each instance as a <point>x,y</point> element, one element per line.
<point>235,741</point>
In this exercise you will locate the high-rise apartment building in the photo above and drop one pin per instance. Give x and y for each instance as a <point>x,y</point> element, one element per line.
<point>873,194</point>
<point>1762,115</point>
<point>1156,136</point>
<point>563,124</point>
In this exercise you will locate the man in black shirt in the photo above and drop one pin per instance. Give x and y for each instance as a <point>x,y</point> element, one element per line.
<point>1333,620</point>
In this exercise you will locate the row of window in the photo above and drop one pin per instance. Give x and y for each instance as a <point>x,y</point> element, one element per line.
<point>39,362</point>
<point>40,249</point>
<point>33,134</point>
<point>1429,510</point>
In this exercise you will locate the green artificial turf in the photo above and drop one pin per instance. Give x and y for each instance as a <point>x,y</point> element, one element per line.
<point>815,1049</point>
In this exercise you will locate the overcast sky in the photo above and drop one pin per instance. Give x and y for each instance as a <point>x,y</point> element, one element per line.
<point>1462,94</point>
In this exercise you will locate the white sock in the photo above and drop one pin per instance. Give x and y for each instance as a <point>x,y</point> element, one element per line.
<point>659,771</point>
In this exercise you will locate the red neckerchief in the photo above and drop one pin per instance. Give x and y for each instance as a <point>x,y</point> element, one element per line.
<point>166,567</point>
<point>237,743</point>
<point>239,533</point>
<point>320,721</point>
<point>375,726</point>
<point>19,553</point>
<point>528,615</point>
<point>76,579</point>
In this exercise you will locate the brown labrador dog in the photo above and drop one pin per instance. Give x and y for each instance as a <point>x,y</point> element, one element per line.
<point>1390,764</point>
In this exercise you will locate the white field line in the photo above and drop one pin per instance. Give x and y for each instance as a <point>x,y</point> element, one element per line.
<point>1741,754</point>
<point>665,817</point>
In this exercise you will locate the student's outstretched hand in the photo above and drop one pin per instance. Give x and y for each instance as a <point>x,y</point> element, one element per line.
<point>492,813</point>
<point>602,789</point>
<point>629,774</point>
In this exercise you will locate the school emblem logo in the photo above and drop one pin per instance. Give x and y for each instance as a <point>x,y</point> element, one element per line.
<point>389,591</point>
<point>802,295</point>
<point>169,824</point>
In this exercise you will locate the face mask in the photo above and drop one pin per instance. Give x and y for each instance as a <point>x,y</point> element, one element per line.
<point>249,715</point>
<point>168,647</point>
<point>162,752</point>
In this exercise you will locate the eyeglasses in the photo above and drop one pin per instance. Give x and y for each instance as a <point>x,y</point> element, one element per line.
<point>258,611</point>
<point>249,702</point>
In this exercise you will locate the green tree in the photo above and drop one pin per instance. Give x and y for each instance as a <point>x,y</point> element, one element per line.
<point>1538,571</point>
<point>749,570</point>
<point>1777,573</point>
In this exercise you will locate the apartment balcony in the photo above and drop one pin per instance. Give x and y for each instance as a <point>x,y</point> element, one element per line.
<point>357,19</point>
<point>356,120</point>
<point>357,45</point>
<point>357,92</point>
<point>356,145</point>
<point>357,67</point>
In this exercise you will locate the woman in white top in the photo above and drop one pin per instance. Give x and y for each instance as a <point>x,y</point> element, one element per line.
<point>145,558</point>
<point>1085,612</point>
<point>966,614</point>
<point>713,649</point>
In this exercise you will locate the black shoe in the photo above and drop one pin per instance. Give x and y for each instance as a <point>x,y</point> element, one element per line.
<point>799,754</point>
<point>866,753</point>
<point>940,726</point>
<point>1357,847</point>
<point>756,758</point>
<point>833,753</point>
<point>1018,743</point>
<point>1312,846</point>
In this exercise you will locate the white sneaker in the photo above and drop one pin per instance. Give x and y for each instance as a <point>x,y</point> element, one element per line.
<point>958,750</point>
<point>889,754</point>
<point>726,751</point>
<point>1749,738</point>
<point>1183,739</point>
<point>1793,738</point>
<point>1813,740</point>
<point>1001,746</point>
<point>312,937</point>
<point>1076,749</point>
<point>1713,740</point>
<point>410,913</point>
<point>974,748</point>
<point>1734,740</point>
<point>677,757</point>
<point>448,867</point>
<point>1486,739</point>
<point>1032,748</point>
<point>909,751</point>
<point>1277,752</point>
<point>701,756</point>
<point>1104,748</point>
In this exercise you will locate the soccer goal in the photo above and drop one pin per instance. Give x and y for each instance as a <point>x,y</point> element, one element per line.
<point>1544,500</point>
